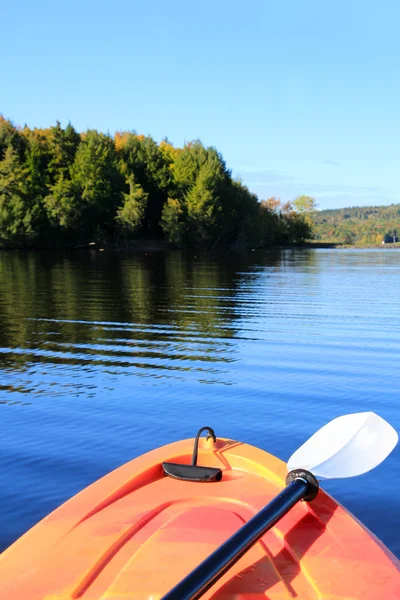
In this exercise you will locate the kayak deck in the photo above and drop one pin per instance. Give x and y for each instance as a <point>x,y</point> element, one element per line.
<point>135,533</point>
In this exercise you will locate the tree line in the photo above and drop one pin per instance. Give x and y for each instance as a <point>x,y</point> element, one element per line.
<point>358,225</point>
<point>61,187</point>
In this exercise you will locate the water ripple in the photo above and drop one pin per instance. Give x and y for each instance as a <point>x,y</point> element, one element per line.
<point>103,357</point>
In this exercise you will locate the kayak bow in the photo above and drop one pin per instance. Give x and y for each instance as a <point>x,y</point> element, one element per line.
<point>137,533</point>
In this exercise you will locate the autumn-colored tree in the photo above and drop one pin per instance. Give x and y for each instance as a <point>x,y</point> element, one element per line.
<point>273,204</point>
<point>282,224</point>
<point>304,204</point>
<point>271,221</point>
<point>356,225</point>
<point>297,228</point>
<point>170,153</point>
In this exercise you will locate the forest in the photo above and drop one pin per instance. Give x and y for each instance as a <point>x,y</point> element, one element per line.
<point>62,188</point>
<point>358,225</point>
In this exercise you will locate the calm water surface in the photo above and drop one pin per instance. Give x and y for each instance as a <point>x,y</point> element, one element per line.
<point>105,356</point>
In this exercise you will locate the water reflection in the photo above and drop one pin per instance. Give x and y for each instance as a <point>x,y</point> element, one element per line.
<point>105,356</point>
<point>160,316</point>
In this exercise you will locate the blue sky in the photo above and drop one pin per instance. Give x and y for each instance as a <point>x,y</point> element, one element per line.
<point>301,96</point>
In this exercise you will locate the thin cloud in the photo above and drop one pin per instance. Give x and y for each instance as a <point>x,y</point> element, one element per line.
<point>353,201</point>
<point>332,163</point>
<point>354,190</point>
<point>265,176</point>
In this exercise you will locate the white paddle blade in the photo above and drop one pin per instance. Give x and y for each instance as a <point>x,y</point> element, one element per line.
<point>347,446</point>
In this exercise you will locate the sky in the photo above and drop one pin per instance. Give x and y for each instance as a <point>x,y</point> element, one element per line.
<point>300,96</point>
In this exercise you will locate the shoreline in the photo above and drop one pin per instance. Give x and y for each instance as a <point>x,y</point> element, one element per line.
<point>339,245</point>
<point>163,246</point>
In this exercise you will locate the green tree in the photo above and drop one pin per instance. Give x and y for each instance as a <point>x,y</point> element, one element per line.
<point>204,206</point>
<point>190,161</point>
<point>305,204</point>
<point>98,183</point>
<point>63,145</point>
<point>174,221</point>
<point>143,158</point>
<point>17,217</point>
<point>199,206</point>
<point>11,136</point>
<point>241,223</point>
<point>57,184</point>
<point>63,203</point>
<point>273,227</point>
<point>130,214</point>
<point>37,158</point>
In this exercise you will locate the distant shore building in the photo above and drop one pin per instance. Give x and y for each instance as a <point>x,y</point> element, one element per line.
<point>390,238</point>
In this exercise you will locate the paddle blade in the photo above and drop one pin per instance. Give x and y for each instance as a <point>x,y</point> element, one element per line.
<point>347,446</point>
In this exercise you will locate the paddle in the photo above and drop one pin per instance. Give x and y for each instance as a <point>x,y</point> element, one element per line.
<point>347,446</point>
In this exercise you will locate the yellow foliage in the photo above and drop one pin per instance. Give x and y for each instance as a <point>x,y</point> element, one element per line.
<point>120,139</point>
<point>170,152</point>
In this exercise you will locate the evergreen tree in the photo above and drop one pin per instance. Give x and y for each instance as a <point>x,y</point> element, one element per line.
<point>37,158</point>
<point>174,222</point>
<point>63,146</point>
<point>241,224</point>
<point>203,202</point>
<point>17,217</point>
<point>197,210</point>
<point>130,214</point>
<point>63,204</point>
<point>57,185</point>
<point>95,176</point>
<point>143,158</point>
<point>11,136</point>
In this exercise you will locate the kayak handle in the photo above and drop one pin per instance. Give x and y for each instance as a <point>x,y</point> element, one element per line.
<point>194,472</point>
<point>196,441</point>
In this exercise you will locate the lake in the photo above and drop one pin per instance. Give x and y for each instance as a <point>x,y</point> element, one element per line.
<point>104,356</point>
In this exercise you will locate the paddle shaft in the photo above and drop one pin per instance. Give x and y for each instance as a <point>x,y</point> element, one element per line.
<point>217,564</point>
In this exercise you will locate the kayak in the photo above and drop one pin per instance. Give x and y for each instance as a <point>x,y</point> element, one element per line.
<point>138,531</point>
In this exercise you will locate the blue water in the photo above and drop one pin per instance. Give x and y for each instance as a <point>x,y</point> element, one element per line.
<point>104,356</point>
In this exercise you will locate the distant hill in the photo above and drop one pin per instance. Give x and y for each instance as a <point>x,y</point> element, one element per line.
<point>358,225</point>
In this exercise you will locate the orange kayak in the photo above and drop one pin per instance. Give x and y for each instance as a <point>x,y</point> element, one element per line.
<point>135,533</point>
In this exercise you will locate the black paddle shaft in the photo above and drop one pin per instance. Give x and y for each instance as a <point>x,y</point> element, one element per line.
<point>217,564</point>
